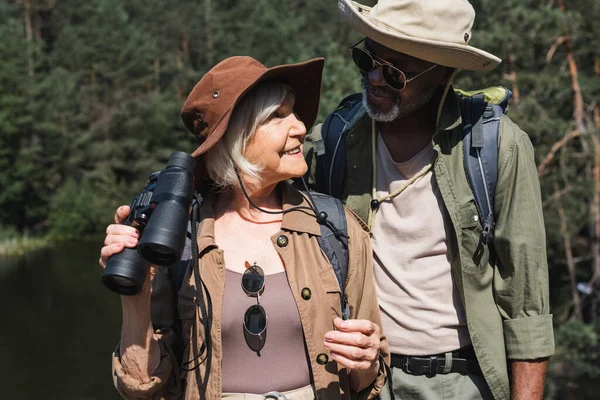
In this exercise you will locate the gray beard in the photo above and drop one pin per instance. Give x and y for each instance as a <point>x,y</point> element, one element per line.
<point>399,108</point>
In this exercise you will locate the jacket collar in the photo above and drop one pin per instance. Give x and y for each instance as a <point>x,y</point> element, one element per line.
<point>301,221</point>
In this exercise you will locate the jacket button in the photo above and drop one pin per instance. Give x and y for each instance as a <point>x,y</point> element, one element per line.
<point>322,359</point>
<point>282,241</point>
<point>306,293</point>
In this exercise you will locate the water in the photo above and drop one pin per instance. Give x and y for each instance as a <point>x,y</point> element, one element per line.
<point>58,326</point>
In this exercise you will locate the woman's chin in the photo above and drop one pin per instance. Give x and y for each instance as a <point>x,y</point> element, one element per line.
<point>301,172</point>
<point>292,175</point>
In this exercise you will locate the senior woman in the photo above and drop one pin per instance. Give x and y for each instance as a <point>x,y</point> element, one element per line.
<point>258,258</point>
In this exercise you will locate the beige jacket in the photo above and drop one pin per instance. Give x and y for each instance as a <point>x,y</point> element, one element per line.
<point>314,287</point>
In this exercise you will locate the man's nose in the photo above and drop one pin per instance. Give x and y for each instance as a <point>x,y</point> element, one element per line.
<point>376,77</point>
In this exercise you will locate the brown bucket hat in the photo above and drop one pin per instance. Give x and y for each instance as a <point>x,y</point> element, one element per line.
<point>207,109</point>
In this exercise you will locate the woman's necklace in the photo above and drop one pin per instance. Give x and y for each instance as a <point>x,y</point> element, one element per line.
<point>376,202</point>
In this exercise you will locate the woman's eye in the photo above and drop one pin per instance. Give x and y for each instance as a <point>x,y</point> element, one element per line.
<point>277,114</point>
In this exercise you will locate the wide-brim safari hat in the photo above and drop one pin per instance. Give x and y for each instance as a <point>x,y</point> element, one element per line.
<point>437,31</point>
<point>208,108</point>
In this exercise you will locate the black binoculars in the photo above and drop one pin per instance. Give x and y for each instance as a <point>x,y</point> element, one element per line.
<point>160,212</point>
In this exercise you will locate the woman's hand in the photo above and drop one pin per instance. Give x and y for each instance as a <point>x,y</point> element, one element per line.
<point>139,349</point>
<point>355,343</point>
<point>118,236</point>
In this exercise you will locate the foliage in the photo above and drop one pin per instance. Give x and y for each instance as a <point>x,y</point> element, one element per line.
<point>90,94</point>
<point>15,244</point>
<point>576,360</point>
<point>78,208</point>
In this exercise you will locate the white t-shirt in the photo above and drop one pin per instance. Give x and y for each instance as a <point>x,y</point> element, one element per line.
<point>422,313</point>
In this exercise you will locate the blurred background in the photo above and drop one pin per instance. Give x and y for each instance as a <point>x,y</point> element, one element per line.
<point>90,94</point>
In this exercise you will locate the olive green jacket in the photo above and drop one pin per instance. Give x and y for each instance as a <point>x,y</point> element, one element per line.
<point>505,297</point>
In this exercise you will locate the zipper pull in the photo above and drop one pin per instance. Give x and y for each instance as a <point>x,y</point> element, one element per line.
<point>487,235</point>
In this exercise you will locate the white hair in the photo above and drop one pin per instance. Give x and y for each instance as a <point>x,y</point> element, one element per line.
<point>228,153</point>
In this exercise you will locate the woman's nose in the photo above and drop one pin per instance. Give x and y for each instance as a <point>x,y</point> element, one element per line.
<point>297,127</point>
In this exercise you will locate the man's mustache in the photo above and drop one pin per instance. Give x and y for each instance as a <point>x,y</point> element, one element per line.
<point>378,90</point>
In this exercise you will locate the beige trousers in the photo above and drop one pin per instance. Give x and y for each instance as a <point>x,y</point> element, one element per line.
<point>452,386</point>
<point>304,393</point>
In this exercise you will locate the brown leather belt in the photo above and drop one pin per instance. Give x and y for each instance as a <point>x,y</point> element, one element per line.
<point>463,362</point>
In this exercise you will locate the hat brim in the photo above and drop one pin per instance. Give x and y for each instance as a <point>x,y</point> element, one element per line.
<point>304,79</point>
<point>442,53</point>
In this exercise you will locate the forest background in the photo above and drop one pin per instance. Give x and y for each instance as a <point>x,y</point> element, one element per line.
<point>90,94</point>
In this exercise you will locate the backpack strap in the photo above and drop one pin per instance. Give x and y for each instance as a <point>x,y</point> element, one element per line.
<point>331,148</point>
<point>177,271</point>
<point>334,241</point>
<point>481,125</point>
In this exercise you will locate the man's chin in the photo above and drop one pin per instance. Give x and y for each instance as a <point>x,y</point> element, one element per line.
<point>380,109</point>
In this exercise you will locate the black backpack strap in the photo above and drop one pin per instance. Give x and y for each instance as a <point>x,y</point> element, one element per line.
<point>176,274</point>
<point>178,270</point>
<point>334,241</point>
<point>331,151</point>
<point>481,124</point>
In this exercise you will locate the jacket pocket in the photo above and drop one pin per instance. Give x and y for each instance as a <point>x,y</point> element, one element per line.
<point>474,254</point>
<point>332,290</point>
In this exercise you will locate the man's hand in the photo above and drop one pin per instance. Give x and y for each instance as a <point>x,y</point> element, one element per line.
<point>355,343</point>
<point>528,379</point>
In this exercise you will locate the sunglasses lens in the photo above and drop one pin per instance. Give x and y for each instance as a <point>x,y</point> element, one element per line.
<point>255,319</point>
<point>253,280</point>
<point>362,60</point>
<point>394,77</point>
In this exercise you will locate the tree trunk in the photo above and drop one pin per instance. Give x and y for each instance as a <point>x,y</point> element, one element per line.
<point>157,72</point>
<point>28,34</point>
<point>596,197</point>
<point>564,231</point>
<point>595,210</point>
<point>512,75</point>
<point>209,33</point>
<point>577,97</point>
<point>593,168</point>
<point>185,45</point>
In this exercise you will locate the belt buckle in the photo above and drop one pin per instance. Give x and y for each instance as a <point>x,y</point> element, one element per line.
<point>407,365</point>
<point>431,368</point>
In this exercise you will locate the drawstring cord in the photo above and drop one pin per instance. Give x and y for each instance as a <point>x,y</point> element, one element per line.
<point>205,308</point>
<point>376,202</point>
<point>320,216</point>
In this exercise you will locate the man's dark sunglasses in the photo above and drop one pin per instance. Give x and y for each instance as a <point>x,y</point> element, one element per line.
<point>255,317</point>
<point>367,62</point>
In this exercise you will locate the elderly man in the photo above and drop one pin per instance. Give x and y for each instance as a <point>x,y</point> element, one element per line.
<point>464,303</point>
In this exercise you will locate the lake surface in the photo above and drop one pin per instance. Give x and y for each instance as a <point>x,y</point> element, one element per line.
<point>59,325</point>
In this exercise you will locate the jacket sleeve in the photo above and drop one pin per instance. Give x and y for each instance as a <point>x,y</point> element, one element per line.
<point>521,280</point>
<point>312,142</point>
<point>164,382</point>
<point>362,300</point>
